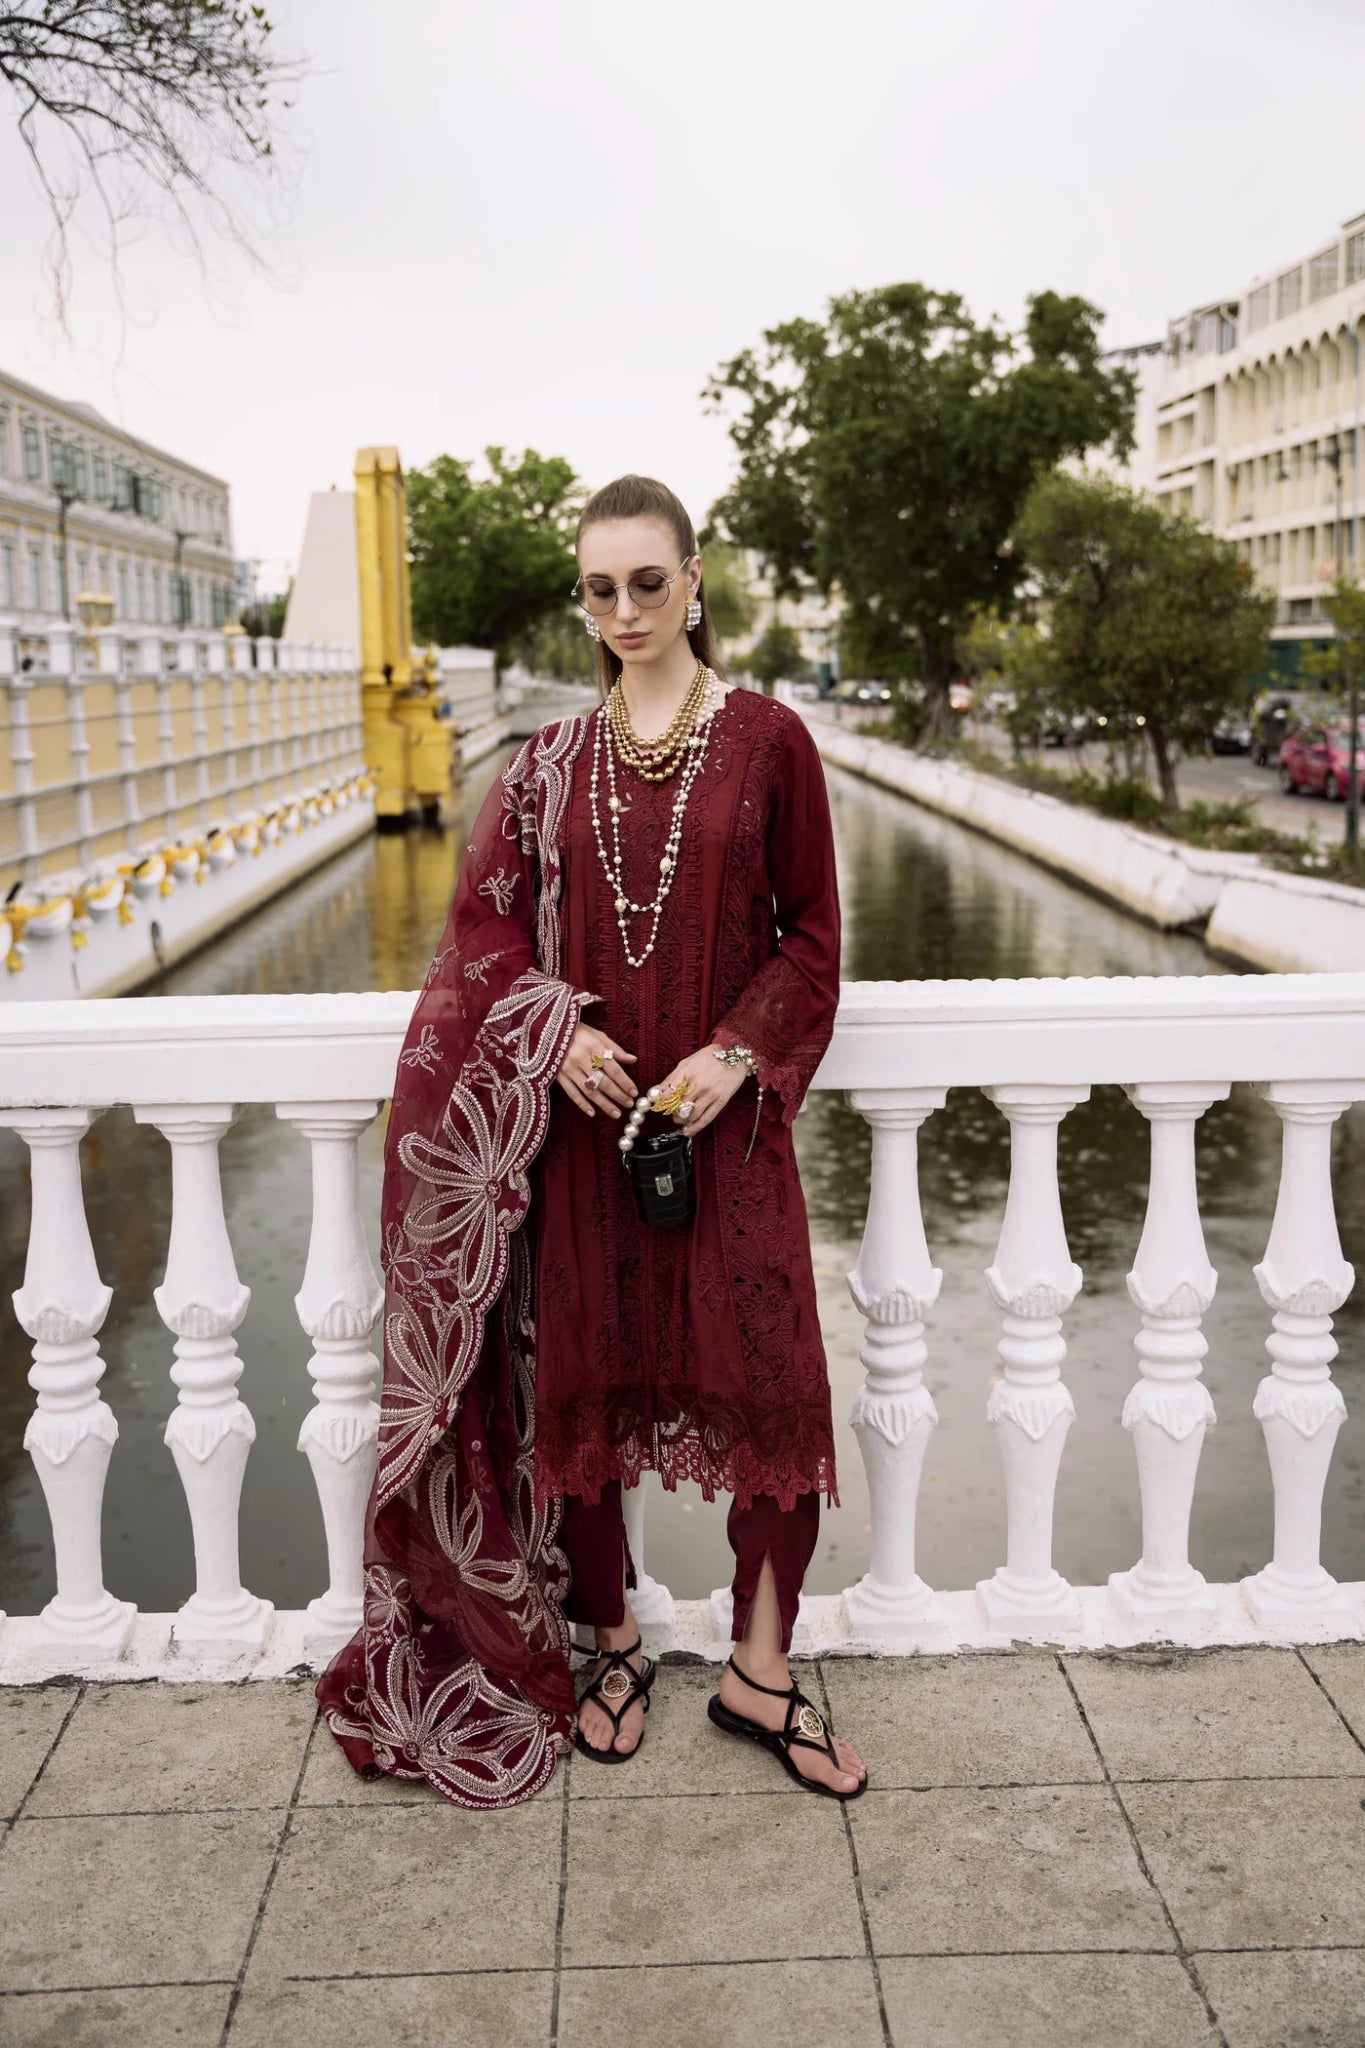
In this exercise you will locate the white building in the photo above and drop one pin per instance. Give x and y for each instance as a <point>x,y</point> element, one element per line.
<point>87,510</point>
<point>813,618</point>
<point>1146,360</point>
<point>1258,426</point>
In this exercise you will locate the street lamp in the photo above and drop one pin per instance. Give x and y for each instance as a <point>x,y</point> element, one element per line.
<point>1331,455</point>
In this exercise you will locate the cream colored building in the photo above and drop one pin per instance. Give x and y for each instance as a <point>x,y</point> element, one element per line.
<point>1258,426</point>
<point>814,619</point>
<point>144,529</point>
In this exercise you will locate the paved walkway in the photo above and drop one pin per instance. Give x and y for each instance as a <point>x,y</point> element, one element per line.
<point>1150,1850</point>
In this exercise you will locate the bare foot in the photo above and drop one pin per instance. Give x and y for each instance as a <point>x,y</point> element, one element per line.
<point>844,1776</point>
<point>596,1727</point>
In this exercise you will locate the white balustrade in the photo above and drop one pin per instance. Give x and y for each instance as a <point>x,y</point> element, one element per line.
<point>1304,1279</point>
<point>201,1301</point>
<point>71,1434</point>
<point>324,1064</point>
<point>1033,1281</point>
<point>1169,1409</point>
<point>651,1603</point>
<point>895,1287</point>
<point>338,1305</point>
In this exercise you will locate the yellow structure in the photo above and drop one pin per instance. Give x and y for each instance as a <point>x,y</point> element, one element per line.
<point>408,747</point>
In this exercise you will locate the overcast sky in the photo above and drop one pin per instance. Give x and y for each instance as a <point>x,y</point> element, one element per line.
<point>542,223</point>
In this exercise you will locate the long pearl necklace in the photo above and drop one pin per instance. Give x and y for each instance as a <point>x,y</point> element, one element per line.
<point>602,746</point>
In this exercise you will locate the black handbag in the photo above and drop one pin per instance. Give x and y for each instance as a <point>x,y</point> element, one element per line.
<point>660,1170</point>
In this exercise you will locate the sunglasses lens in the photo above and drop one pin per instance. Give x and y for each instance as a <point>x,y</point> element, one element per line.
<point>599,597</point>
<point>650,590</point>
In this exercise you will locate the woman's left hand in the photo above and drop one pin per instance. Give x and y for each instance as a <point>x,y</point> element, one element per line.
<point>713,1083</point>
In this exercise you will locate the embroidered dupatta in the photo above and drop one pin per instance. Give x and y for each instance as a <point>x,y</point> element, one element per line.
<point>460,1671</point>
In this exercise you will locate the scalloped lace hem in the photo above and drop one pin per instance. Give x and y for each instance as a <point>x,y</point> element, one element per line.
<point>737,1470</point>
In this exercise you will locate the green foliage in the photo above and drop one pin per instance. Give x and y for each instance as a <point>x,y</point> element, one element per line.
<point>1149,617</point>
<point>1340,661</point>
<point>265,618</point>
<point>557,647</point>
<point>491,555</point>
<point>889,448</point>
<point>727,591</point>
<point>777,657</point>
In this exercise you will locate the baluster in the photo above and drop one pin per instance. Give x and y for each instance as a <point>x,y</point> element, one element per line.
<point>338,1304</point>
<point>210,1431</point>
<point>1304,1279</point>
<point>895,1286</point>
<point>1033,1282</point>
<point>1169,1408</point>
<point>71,1434</point>
<point>651,1603</point>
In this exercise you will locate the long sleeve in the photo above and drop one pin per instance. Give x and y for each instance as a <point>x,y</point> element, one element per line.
<point>786,1013</point>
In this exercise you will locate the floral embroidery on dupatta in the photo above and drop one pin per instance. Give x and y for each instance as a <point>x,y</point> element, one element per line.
<point>459,1673</point>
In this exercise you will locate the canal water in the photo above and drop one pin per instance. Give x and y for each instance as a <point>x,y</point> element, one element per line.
<point>922,898</point>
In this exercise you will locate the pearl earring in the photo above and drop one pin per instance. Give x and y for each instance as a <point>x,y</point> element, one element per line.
<point>594,630</point>
<point>693,613</point>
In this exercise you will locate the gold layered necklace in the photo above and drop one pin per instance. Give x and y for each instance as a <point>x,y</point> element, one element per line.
<point>657,759</point>
<point>691,751</point>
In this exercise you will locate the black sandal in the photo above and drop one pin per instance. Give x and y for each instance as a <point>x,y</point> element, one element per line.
<point>805,1729</point>
<point>616,1682</point>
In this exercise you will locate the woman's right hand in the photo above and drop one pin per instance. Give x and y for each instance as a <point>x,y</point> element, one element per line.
<point>615,1092</point>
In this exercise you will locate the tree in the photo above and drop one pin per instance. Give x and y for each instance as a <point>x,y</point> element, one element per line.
<point>777,657</point>
<point>890,448</point>
<point>491,555</point>
<point>148,107</point>
<point>263,619</point>
<point>727,592</point>
<point>557,646</point>
<point>1150,618</point>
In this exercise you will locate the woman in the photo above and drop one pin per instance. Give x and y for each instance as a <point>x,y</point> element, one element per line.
<point>648,901</point>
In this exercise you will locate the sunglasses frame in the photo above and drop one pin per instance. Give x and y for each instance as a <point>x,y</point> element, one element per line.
<point>669,581</point>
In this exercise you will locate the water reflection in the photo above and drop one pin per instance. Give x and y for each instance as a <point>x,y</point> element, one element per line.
<point>921,897</point>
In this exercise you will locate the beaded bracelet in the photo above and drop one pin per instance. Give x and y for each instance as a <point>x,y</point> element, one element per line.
<point>743,1056</point>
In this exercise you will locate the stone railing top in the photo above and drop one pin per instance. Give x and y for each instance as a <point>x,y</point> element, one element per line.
<point>889,1034</point>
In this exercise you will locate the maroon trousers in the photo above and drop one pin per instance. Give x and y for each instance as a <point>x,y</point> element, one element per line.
<point>593,1538</point>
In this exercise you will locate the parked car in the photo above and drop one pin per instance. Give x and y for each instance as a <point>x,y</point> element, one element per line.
<point>1317,759</point>
<point>1232,735</point>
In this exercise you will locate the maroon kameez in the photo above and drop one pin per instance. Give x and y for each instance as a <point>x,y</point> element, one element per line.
<point>517,1370</point>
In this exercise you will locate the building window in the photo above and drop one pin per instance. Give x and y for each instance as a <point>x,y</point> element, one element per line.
<point>1322,273</point>
<point>125,496</point>
<point>1258,308</point>
<point>101,468</point>
<point>140,579</point>
<point>36,592</point>
<point>1288,293</point>
<point>104,575</point>
<point>1355,258</point>
<point>1227,334</point>
<point>9,596</point>
<point>33,453</point>
<point>4,440</point>
<point>82,572</point>
<point>80,479</point>
<point>122,590</point>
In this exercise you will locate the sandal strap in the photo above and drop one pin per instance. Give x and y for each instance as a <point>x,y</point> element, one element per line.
<point>640,1683</point>
<point>797,1703</point>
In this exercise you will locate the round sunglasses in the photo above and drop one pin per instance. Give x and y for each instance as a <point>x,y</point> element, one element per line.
<point>648,589</point>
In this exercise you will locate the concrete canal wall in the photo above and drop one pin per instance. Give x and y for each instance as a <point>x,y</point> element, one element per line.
<point>1246,912</point>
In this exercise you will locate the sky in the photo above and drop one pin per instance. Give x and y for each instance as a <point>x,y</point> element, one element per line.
<point>542,224</point>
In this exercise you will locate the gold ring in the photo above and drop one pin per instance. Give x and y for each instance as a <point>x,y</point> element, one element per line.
<point>598,1059</point>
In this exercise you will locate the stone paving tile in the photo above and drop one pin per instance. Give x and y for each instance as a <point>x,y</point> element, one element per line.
<point>328,1780</point>
<point>965,1871</point>
<point>1341,1667</point>
<point>157,1899</point>
<point>809,2005</point>
<point>709,1881</point>
<point>405,1890</point>
<point>30,1718</point>
<point>1260,1863</point>
<point>1043,2002</point>
<point>495,2009</point>
<point>682,1752</point>
<point>169,2016</point>
<point>1292,2000</point>
<point>1212,1714</point>
<point>178,1749</point>
<point>1007,1720</point>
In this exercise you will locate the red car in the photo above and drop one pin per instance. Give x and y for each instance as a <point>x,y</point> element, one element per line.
<point>1317,758</point>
